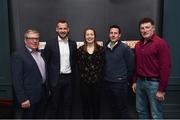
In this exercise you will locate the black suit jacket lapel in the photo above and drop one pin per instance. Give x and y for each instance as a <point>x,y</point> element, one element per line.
<point>28,54</point>
<point>56,47</point>
<point>70,50</point>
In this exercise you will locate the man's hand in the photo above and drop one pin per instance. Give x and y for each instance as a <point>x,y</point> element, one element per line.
<point>26,104</point>
<point>160,96</point>
<point>134,87</point>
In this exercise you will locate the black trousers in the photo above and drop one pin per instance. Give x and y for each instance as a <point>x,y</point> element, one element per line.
<point>117,94</point>
<point>60,104</point>
<point>90,96</point>
<point>36,110</point>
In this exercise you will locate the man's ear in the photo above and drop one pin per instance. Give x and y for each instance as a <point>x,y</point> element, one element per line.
<point>25,41</point>
<point>56,29</point>
<point>68,29</point>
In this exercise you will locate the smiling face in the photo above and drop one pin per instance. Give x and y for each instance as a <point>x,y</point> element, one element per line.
<point>32,40</point>
<point>89,36</point>
<point>114,34</point>
<point>62,29</point>
<point>147,30</point>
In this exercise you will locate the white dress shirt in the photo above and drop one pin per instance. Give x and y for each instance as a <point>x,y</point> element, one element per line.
<point>65,67</point>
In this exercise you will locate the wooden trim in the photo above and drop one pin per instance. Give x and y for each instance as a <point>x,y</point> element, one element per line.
<point>6,102</point>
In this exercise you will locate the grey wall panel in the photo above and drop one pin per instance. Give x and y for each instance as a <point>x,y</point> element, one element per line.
<point>5,81</point>
<point>171,33</point>
<point>99,14</point>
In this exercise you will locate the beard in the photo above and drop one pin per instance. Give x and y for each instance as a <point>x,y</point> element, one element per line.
<point>63,35</point>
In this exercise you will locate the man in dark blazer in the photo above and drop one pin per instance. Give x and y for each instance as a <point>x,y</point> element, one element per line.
<point>29,77</point>
<point>60,54</point>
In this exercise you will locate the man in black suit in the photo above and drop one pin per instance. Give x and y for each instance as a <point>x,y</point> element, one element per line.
<point>60,54</point>
<point>29,78</point>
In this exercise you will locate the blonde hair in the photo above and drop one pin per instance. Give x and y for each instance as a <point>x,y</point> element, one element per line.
<point>30,31</point>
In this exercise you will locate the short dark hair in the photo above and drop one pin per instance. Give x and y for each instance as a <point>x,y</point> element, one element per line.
<point>146,20</point>
<point>115,26</point>
<point>61,21</point>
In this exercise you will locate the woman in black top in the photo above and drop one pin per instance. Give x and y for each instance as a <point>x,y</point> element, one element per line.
<point>90,64</point>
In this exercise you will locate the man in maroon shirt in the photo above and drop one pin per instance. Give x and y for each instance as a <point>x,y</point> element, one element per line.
<point>152,71</point>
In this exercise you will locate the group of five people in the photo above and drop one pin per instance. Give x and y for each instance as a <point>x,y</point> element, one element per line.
<point>43,81</point>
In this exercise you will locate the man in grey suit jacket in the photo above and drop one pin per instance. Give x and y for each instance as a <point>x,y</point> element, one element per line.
<point>60,54</point>
<point>29,77</point>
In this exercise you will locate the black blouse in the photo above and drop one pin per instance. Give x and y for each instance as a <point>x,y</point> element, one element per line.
<point>90,65</point>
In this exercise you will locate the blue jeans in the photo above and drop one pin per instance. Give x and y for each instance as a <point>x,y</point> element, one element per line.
<point>146,95</point>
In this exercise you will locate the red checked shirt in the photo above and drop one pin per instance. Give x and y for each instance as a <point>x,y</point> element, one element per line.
<point>153,60</point>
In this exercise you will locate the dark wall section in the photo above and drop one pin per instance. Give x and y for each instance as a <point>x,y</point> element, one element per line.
<point>99,14</point>
<point>171,33</point>
<point>5,81</point>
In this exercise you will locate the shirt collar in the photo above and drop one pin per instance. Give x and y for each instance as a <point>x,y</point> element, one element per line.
<point>61,40</point>
<point>151,39</point>
<point>111,45</point>
<point>30,50</point>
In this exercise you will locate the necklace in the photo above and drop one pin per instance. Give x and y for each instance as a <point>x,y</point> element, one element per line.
<point>90,50</point>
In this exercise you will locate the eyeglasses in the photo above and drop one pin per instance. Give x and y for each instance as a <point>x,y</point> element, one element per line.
<point>33,38</point>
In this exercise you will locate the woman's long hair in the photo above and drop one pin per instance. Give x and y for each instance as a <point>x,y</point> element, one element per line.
<point>85,42</point>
